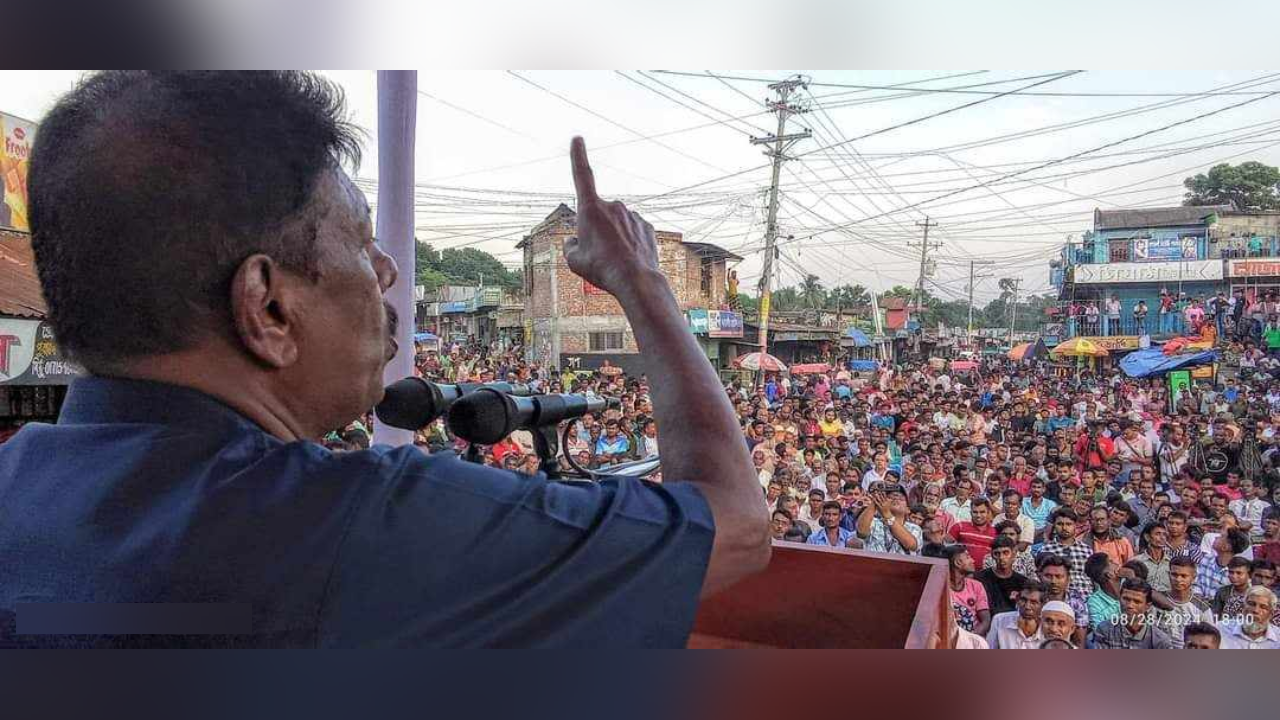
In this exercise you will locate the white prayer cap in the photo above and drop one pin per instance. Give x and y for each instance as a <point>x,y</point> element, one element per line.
<point>1057,606</point>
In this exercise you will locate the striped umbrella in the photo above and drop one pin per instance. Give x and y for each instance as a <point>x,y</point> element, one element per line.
<point>760,361</point>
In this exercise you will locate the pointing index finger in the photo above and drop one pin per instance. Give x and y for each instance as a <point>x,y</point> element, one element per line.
<point>584,181</point>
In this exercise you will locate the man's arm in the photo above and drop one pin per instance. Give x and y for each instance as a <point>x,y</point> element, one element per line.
<point>615,250</point>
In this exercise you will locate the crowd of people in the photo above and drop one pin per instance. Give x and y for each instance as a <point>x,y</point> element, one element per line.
<point>1078,510</point>
<point>1241,316</point>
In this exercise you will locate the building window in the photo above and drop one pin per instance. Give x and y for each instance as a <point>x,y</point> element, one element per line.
<point>1120,250</point>
<point>602,341</point>
<point>706,277</point>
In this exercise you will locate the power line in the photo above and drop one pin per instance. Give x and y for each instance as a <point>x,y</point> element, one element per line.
<point>595,114</point>
<point>971,92</point>
<point>1095,149</point>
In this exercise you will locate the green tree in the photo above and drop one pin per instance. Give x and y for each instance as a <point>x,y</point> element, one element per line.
<point>1248,186</point>
<point>785,299</point>
<point>847,296</point>
<point>462,266</point>
<point>812,293</point>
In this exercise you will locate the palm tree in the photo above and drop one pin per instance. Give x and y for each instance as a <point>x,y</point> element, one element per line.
<point>812,292</point>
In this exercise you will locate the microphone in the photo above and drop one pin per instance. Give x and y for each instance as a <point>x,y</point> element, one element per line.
<point>487,415</point>
<point>414,403</point>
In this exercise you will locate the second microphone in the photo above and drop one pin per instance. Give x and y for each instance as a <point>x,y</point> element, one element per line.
<point>486,416</point>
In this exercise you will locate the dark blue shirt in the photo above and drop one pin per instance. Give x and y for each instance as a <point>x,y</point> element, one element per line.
<point>151,493</point>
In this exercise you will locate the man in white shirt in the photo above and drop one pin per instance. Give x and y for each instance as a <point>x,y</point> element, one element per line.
<point>1020,630</point>
<point>877,472</point>
<point>1249,508</point>
<point>1255,632</point>
<point>958,506</point>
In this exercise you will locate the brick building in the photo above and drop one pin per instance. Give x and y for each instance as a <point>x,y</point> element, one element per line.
<point>569,322</point>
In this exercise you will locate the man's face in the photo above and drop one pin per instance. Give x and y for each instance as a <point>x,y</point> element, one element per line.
<point>1271,527</point>
<point>1056,625</point>
<point>1134,604</point>
<point>1158,537</point>
<point>1181,578</point>
<point>1263,577</point>
<point>1146,489</point>
<point>1238,577</point>
<point>1217,505</point>
<point>815,505</point>
<point>1029,603</point>
<point>931,530</point>
<point>1200,642</point>
<point>964,563</point>
<point>1056,578</point>
<point>1064,528</point>
<point>1003,558</point>
<point>981,515</point>
<point>338,329</point>
<point>1118,517</point>
<point>830,518</point>
<point>1259,610</point>
<point>1068,495</point>
<point>1012,507</point>
<point>780,525</point>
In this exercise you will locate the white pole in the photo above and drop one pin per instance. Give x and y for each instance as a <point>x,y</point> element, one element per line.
<point>397,119</point>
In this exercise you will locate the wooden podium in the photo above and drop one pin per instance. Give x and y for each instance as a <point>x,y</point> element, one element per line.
<point>818,597</point>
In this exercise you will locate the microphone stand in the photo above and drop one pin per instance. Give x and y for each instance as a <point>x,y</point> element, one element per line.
<point>547,444</point>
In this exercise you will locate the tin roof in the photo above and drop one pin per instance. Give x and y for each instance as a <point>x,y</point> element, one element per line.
<point>19,286</point>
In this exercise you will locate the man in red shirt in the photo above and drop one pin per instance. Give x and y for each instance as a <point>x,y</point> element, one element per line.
<point>1093,457</point>
<point>979,534</point>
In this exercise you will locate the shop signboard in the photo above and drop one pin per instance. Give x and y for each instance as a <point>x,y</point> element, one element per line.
<point>1112,343</point>
<point>29,355</point>
<point>1149,272</point>
<point>1254,268</point>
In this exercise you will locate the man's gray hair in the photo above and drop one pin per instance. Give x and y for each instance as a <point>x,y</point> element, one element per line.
<point>1259,590</point>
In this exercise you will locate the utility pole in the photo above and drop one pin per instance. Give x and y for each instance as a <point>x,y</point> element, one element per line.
<point>1013,312</point>
<point>776,147</point>
<point>972,280</point>
<point>917,297</point>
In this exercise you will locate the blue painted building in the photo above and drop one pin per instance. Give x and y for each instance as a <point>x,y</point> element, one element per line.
<point>1135,255</point>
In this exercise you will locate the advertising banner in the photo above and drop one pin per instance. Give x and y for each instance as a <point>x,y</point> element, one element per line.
<point>18,135</point>
<point>29,355</point>
<point>1165,248</point>
<point>724,324</point>
<point>698,321</point>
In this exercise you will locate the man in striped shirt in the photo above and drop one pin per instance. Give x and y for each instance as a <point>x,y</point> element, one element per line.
<point>1211,573</point>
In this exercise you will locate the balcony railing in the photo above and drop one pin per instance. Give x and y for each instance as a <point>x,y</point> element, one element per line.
<point>1065,326</point>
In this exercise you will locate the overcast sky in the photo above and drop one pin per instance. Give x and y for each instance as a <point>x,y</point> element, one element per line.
<point>849,208</point>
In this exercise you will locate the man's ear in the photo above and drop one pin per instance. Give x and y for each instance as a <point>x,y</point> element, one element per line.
<point>263,310</point>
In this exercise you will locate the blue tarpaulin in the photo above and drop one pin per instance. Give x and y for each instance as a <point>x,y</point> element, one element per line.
<point>864,365</point>
<point>858,337</point>
<point>1153,361</point>
<point>425,337</point>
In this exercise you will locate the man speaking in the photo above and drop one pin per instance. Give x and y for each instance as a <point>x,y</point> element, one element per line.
<point>207,258</point>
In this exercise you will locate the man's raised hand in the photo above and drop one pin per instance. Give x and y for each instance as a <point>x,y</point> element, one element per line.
<point>614,246</point>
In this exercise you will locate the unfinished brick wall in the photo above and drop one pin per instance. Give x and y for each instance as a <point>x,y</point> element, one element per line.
<point>583,310</point>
